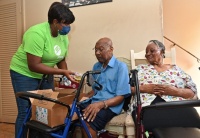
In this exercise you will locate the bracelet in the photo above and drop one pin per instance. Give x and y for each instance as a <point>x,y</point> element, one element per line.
<point>105,105</point>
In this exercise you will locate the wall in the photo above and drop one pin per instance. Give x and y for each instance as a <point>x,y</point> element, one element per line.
<point>181,22</point>
<point>130,24</point>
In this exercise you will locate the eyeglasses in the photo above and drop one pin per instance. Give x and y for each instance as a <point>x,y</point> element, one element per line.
<point>101,49</point>
<point>152,51</point>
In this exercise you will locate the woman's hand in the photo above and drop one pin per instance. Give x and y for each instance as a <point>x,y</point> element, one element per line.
<point>173,91</point>
<point>91,111</point>
<point>156,89</point>
<point>160,89</point>
<point>70,75</point>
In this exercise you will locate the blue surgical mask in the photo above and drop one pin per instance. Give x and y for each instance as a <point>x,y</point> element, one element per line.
<point>65,30</point>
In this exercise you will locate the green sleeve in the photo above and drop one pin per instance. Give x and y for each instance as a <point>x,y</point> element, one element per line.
<point>34,43</point>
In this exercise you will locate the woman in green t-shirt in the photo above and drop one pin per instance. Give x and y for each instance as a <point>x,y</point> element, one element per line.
<point>44,45</point>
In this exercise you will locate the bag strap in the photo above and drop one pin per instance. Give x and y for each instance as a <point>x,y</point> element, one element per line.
<point>40,83</point>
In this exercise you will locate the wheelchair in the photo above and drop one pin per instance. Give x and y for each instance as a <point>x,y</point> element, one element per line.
<point>178,119</point>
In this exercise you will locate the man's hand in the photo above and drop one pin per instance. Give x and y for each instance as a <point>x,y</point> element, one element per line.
<point>91,111</point>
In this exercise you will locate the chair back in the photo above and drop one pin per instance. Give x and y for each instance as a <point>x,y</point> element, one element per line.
<point>140,56</point>
<point>126,61</point>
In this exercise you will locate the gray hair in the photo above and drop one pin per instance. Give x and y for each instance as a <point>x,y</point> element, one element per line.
<point>160,45</point>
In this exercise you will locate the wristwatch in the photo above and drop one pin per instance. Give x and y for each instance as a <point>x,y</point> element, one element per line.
<point>105,105</point>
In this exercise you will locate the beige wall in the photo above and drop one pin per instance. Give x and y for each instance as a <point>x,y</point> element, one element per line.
<point>181,23</point>
<point>130,24</point>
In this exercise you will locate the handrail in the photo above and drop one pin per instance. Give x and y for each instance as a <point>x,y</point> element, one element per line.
<point>175,44</point>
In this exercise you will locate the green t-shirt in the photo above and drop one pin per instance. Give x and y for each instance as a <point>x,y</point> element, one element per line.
<point>38,41</point>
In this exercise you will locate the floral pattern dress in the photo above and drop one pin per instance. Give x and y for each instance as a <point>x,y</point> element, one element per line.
<point>175,76</point>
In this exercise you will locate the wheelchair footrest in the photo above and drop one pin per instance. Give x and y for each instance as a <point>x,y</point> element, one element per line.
<point>43,128</point>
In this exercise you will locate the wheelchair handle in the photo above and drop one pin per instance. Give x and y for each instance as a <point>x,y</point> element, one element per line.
<point>82,81</point>
<point>94,72</point>
<point>25,95</point>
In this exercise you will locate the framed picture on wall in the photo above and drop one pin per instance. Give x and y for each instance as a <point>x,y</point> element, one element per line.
<point>76,3</point>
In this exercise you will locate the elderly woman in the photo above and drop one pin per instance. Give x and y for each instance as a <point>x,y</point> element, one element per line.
<point>162,82</point>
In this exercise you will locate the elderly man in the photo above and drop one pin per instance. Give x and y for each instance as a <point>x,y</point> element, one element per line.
<point>107,101</point>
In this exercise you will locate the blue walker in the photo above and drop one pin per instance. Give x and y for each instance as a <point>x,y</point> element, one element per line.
<point>62,131</point>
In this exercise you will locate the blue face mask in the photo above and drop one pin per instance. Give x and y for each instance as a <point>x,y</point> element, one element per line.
<point>65,30</point>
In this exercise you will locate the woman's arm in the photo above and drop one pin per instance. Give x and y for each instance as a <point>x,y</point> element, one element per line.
<point>35,64</point>
<point>185,93</point>
<point>146,88</point>
<point>62,64</point>
<point>159,89</point>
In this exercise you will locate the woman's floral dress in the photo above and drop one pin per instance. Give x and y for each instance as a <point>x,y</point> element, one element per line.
<point>175,76</point>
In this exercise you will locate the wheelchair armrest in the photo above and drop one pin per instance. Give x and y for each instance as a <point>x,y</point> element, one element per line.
<point>173,104</point>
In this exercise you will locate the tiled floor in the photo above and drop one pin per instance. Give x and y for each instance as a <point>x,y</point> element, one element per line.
<point>7,130</point>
